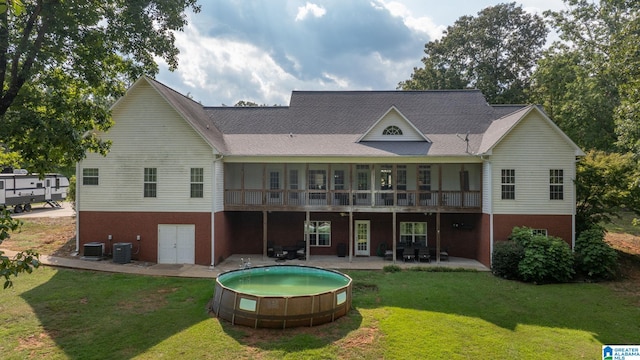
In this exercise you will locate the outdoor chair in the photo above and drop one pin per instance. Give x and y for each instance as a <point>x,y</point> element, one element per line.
<point>423,254</point>
<point>279,253</point>
<point>444,254</point>
<point>408,254</point>
<point>301,253</point>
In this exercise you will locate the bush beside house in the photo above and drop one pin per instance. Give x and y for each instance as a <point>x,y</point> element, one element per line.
<point>533,258</point>
<point>595,259</point>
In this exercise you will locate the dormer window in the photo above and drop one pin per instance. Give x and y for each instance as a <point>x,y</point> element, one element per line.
<point>392,130</point>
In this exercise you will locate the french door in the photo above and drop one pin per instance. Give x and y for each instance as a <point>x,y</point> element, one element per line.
<point>362,237</point>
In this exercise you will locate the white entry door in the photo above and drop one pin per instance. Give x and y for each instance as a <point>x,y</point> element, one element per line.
<point>176,244</point>
<point>47,189</point>
<point>362,235</point>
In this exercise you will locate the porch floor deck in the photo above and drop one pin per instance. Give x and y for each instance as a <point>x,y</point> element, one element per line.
<point>342,263</point>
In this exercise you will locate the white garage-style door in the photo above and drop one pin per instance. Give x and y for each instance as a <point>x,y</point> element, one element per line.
<point>176,244</point>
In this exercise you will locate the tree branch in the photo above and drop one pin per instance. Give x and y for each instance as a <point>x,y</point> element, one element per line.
<point>4,46</point>
<point>19,73</point>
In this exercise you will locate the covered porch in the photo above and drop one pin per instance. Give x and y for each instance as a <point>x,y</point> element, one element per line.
<point>236,261</point>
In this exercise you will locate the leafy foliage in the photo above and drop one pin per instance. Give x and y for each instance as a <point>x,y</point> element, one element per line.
<point>533,258</point>
<point>23,261</point>
<point>506,257</point>
<point>588,81</point>
<point>62,63</point>
<point>546,260</point>
<point>605,184</point>
<point>391,268</point>
<point>595,259</point>
<point>494,52</point>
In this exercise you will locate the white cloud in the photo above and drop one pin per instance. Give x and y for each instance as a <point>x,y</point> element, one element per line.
<point>309,8</point>
<point>218,70</point>
<point>342,83</point>
<point>422,24</point>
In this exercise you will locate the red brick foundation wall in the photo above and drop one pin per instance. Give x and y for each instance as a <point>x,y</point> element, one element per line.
<point>243,231</point>
<point>556,225</point>
<point>484,244</point>
<point>125,226</point>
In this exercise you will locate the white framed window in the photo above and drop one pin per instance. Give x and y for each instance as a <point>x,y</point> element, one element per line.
<point>413,233</point>
<point>90,176</point>
<point>556,184</point>
<point>150,182</point>
<point>542,232</point>
<point>317,179</point>
<point>197,182</point>
<point>319,233</point>
<point>508,183</point>
<point>392,130</point>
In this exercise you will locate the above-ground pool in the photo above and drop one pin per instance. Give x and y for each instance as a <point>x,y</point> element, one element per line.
<point>281,296</point>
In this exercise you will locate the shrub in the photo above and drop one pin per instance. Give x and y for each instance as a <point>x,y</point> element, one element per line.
<point>546,259</point>
<point>521,235</point>
<point>506,257</point>
<point>595,259</point>
<point>392,268</point>
<point>530,258</point>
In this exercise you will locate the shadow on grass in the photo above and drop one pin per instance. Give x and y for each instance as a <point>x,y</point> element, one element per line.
<point>594,308</point>
<point>295,339</point>
<point>108,316</point>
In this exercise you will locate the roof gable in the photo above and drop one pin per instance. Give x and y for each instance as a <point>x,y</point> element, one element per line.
<point>502,127</point>
<point>190,111</point>
<point>393,126</point>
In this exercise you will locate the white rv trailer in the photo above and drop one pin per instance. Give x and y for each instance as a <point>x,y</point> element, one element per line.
<point>21,189</point>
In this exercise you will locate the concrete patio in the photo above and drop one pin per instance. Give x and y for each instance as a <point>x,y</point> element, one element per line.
<point>234,262</point>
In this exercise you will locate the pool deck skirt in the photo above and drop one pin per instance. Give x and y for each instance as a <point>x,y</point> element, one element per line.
<point>234,262</point>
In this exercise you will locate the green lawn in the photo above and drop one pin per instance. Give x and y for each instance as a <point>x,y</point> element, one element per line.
<point>623,224</point>
<point>70,314</point>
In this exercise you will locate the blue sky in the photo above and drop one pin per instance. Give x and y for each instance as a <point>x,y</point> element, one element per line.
<point>261,50</point>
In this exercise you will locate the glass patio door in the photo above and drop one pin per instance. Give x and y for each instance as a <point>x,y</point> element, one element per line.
<point>362,237</point>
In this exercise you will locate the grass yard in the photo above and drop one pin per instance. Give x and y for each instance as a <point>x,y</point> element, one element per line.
<point>71,314</point>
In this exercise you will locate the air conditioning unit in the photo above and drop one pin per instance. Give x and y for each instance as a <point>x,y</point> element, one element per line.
<point>93,251</point>
<point>122,253</point>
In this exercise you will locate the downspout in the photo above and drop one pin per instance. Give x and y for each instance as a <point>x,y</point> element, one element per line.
<point>489,190</point>
<point>77,203</point>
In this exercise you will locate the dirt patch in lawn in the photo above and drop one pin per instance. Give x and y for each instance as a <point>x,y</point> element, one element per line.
<point>50,236</point>
<point>628,247</point>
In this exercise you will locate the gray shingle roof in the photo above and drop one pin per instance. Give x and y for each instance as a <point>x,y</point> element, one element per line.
<point>329,123</point>
<point>353,112</point>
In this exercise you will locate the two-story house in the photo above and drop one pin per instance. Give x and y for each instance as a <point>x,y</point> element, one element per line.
<point>352,171</point>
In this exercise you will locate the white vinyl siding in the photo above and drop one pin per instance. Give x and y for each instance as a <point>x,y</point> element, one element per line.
<point>148,133</point>
<point>487,187</point>
<point>393,118</point>
<point>531,149</point>
<point>218,201</point>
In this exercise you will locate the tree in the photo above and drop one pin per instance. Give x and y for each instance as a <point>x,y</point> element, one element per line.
<point>605,184</point>
<point>62,63</point>
<point>625,54</point>
<point>600,47</point>
<point>580,102</point>
<point>494,52</point>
